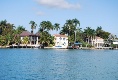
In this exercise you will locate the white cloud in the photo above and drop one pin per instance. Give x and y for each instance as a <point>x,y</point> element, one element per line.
<point>58,4</point>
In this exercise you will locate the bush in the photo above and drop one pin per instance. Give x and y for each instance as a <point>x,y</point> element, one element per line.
<point>50,45</point>
<point>114,45</point>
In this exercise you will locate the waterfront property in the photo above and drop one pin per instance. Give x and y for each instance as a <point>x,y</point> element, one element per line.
<point>115,42</point>
<point>33,38</point>
<point>61,41</point>
<point>97,42</point>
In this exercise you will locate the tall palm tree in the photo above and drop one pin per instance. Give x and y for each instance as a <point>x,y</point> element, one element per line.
<point>76,22</point>
<point>46,26</point>
<point>70,29</point>
<point>98,31</point>
<point>49,26</point>
<point>45,36</point>
<point>33,25</point>
<point>56,26</point>
<point>70,26</point>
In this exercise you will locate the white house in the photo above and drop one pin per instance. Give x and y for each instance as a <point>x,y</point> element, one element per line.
<point>61,41</point>
<point>97,42</point>
<point>115,42</point>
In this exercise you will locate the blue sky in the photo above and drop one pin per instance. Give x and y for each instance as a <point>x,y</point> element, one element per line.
<point>90,13</point>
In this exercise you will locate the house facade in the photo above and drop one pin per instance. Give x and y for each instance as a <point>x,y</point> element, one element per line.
<point>115,42</point>
<point>61,41</point>
<point>97,42</point>
<point>33,38</point>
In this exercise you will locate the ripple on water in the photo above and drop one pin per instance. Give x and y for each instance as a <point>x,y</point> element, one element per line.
<point>50,64</point>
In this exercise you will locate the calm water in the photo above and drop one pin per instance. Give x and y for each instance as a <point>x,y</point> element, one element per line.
<point>50,64</point>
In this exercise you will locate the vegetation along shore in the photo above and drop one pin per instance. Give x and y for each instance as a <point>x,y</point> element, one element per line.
<point>70,35</point>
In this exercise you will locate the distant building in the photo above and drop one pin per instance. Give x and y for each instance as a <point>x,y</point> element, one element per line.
<point>97,42</point>
<point>115,42</point>
<point>61,41</point>
<point>33,38</point>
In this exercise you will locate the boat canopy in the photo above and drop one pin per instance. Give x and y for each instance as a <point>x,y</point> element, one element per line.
<point>77,43</point>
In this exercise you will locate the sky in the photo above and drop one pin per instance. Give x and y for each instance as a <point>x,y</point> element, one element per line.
<point>90,13</point>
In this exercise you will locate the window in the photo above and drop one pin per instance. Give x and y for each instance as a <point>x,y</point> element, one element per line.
<point>60,38</point>
<point>63,38</point>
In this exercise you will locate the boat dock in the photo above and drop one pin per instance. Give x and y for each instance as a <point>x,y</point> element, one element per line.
<point>104,48</point>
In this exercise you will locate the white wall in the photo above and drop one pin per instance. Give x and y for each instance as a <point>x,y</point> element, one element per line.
<point>61,41</point>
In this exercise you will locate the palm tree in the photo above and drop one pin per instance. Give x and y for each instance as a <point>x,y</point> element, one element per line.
<point>65,30</point>
<point>56,26</point>
<point>46,26</point>
<point>7,30</point>
<point>25,40</point>
<point>49,26</point>
<point>98,31</point>
<point>70,29</point>
<point>75,21</point>
<point>70,26</point>
<point>20,29</point>
<point>89,33</point>
<point>33,25</point>
<point>45,37</point>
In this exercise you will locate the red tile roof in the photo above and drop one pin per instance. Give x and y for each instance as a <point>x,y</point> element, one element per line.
<point>27,33</point>
<point>59,35</point>
<point>37,34</point>
<point>98,37</point>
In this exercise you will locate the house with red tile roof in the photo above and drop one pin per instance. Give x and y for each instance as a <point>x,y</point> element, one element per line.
<point>33,38</point>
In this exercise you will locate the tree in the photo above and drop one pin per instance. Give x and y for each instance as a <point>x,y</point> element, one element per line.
<point>20,29</point>
<point>16,33</point>
<point>25,40</point>
<point>46,26</point>
<point>33,25</point>
<point>2,40</point>
<point>45,37</point>
<point>69,28</point>
<point>89,34</point>
<point>98,31</point>
<point>7,32</point>
<point>56,26</point>
<point>76,22</point>
<point>80,36</point>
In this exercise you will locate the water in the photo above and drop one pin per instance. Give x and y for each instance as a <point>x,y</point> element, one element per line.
<point>58,64</point>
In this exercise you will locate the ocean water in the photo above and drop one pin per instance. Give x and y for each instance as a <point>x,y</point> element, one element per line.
<point>58,64</point>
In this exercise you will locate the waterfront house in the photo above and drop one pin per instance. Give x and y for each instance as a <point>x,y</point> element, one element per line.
<point>115,42</point>
<point>97,42</point>
<point>61,41</point>
<point>33,38</point>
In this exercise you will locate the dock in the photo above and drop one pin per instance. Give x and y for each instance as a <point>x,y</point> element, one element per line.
<point>104,48</point>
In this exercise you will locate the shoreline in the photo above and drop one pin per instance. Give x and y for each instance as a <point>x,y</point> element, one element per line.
<point>80,48</point>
